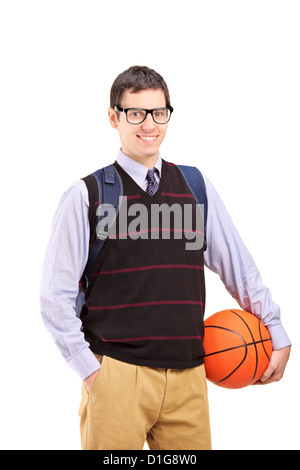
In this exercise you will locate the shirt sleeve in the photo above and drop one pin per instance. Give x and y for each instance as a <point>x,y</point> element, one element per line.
<point>65,260</point>
<point>228,256</point>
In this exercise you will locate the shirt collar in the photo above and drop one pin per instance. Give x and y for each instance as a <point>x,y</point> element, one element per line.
<point>137,171</point>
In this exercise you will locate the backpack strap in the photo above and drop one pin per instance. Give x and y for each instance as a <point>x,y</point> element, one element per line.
<point>104,188</point>
<point>195,181</point>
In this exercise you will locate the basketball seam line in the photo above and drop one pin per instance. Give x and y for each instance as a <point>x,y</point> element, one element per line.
<point>237,347</point>
<point>259,327</point>
<point>256,365</point>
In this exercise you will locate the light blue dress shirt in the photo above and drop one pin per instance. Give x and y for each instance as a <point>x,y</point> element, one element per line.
<point>67,254</point>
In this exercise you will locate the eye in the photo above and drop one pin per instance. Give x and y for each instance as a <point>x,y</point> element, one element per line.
<point>134,113</point>
<point>160,113</point>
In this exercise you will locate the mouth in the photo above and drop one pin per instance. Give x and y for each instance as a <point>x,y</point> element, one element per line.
<point>148,139</point>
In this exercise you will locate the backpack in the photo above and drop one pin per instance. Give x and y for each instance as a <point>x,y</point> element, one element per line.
<point>104,188</point>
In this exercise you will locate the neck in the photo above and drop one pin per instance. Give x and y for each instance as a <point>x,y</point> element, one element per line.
<point>148,161</point>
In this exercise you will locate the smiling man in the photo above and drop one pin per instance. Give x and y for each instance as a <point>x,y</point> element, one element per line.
<point>137,344</point>
<point>141,139</point>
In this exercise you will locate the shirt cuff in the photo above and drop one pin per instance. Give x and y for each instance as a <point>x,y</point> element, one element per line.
<point>279,337</point>
<point>84,363</point>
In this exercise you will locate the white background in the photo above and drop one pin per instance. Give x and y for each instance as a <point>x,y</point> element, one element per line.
<point>232,68</point>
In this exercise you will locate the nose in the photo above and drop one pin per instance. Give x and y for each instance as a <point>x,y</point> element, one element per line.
<point>148,124</point>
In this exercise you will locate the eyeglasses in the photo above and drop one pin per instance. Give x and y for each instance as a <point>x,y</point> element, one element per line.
<point>138,115</point>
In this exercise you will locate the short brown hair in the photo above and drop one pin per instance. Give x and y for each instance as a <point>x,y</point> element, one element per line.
<point>137,78</point>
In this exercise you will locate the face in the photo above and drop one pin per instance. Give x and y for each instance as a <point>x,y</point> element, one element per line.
<point>140,142</point>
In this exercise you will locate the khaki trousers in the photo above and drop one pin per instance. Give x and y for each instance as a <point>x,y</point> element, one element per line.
<point>129,405</point>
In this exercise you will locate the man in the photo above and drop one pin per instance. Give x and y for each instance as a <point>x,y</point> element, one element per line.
<point>138,343</point>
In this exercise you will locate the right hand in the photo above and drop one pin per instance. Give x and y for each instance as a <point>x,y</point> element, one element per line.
<point>88,382</point>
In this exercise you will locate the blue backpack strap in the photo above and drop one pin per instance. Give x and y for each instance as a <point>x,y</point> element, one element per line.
<point>195,181</point>
<point>110,188</point>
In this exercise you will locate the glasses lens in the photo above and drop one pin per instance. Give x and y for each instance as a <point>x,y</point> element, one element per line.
<point>161,115</point>
<point>135,115</point>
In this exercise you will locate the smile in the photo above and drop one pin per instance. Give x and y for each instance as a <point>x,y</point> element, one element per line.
<point>147,139</point>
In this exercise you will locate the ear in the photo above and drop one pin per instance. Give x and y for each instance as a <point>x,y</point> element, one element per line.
<point>113,118</point>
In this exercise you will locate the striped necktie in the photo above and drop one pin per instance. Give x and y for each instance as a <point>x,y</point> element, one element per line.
<point>152,183</point>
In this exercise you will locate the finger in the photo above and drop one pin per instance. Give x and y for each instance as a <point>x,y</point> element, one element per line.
<point>268,373</point>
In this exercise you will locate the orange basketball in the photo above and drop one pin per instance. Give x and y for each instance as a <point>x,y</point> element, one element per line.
<point>238,348</point>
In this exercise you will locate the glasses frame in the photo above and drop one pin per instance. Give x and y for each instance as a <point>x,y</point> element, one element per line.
<point>147,111</point>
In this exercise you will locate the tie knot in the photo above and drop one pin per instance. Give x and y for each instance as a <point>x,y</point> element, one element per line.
<point>151,174</point>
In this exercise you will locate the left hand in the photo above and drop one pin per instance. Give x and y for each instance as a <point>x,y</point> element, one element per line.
<point>276,367</point>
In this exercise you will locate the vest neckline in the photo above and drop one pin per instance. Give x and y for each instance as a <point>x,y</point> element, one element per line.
<point>138,189</point>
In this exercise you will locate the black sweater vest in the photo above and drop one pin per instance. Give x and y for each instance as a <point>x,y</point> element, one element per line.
<point>146,297</point>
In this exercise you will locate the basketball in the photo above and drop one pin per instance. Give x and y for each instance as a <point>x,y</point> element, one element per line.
<point>238,348</point>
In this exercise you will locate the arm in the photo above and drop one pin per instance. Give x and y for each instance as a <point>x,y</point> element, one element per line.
<point>227,255</point>
<point>64,263</point>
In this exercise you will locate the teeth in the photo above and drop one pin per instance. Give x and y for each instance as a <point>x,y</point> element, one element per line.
<point>148,138</point>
